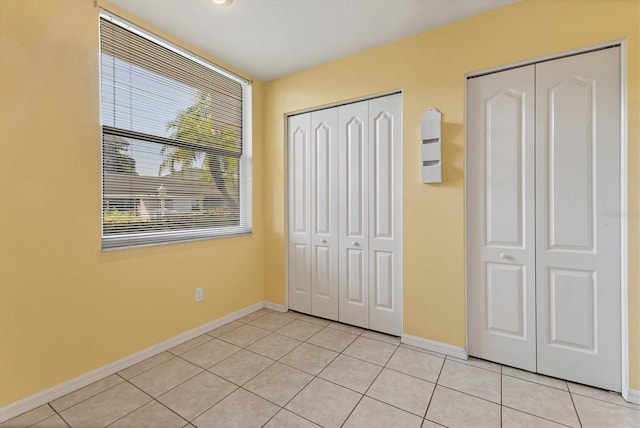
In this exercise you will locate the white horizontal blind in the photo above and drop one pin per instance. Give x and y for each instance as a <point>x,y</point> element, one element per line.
<point>175,152</point>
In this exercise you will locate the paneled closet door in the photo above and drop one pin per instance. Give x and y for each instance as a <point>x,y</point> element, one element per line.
<point>578,225</point>
<point>299,251</point>
<point>501,286</point>
<point>553,244</point>
<point>354,206</point>
<point>324,213</point>
<point>385,223</point>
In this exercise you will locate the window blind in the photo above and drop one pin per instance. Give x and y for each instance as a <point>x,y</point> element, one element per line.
<point>175,152</point>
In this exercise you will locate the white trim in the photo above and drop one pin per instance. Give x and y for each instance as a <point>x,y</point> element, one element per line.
<point>627,393</point>
<point>43,397</point>
<point>633,396</point>
<point>624,231</point>
<point>275,306</point>
<point>401,213</point>
<point>432,345</point>
<point>465,217</point>
<point>286,210</point>
<point>246,160</point>
<point>542,58</point>
<point>341,103</point>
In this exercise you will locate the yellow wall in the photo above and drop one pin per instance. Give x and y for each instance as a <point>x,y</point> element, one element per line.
<point>66,307</point>
<point>430,69</point>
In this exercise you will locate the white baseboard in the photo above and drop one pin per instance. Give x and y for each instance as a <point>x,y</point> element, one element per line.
<point>632,396</point>
<point>274,306</point>
<point>432,345</point>
<point>19,407</point>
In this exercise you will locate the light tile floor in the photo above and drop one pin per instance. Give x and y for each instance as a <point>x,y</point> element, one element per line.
<point>291,370</point>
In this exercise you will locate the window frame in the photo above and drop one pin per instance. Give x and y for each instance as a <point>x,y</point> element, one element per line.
<point>142,239</point>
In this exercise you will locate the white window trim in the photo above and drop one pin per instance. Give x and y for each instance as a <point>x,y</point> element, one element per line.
<point>134,240</point>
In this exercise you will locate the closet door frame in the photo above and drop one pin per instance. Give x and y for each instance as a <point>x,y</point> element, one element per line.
<point>285,307</point>
<point>624,234</point>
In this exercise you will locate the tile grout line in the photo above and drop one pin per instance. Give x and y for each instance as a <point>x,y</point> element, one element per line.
<point>410,375</point>
<point>384,402</point>
<point>393,405</point>
<point>189,421</point>
<point>146,370</point>
<point>55,413</point>
<point>501,392</point>
<point>575,409</point>
<point>321,370</point>
<point>367,390</point>
<point>537,416</point>
<point>467,394</point>
<point>81,401</point>
<point>139,407</point>
<point>59,415</point>
<point>434,387</point>
<point>152,400</point>
<point>459,361</point>
<point>63,420</point>
<point>537,383</point>
<point>502,405</point>
<point>637,408</point>
<point>501,397</point>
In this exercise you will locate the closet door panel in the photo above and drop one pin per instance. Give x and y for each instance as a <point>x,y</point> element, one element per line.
<point>578,232</point>
<point>299,212</point>
<point>324,213</point>
<point>355,275</point>
<point>385,229</point>
<point>500,217</point>
<point>353,207</point>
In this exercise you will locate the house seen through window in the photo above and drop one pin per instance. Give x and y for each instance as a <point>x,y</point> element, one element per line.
<point>175,145</point>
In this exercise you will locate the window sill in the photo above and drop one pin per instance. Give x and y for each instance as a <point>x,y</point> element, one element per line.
<point>123,242</point>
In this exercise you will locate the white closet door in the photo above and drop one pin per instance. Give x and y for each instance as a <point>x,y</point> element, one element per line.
<point>299,267</point>
<point>354,205</point>
<point>578,221</point>
<point>500,217</point>
<point>385,222</point>
<point>324,213</point>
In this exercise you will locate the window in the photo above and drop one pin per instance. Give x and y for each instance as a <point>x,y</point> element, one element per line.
<point>176,161</point>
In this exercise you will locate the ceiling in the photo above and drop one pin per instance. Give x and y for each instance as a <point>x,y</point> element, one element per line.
<point>271,38</point>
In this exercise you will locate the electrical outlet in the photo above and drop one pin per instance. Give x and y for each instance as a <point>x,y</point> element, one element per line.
<point>199,295</point>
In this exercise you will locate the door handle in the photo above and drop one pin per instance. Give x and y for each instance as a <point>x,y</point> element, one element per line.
<point>323,241</point>
<point>355,244</point>
<point>504,256</point>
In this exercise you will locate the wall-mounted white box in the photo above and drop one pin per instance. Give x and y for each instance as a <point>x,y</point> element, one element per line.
<point>431,173</point>
<point>431,150</point>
